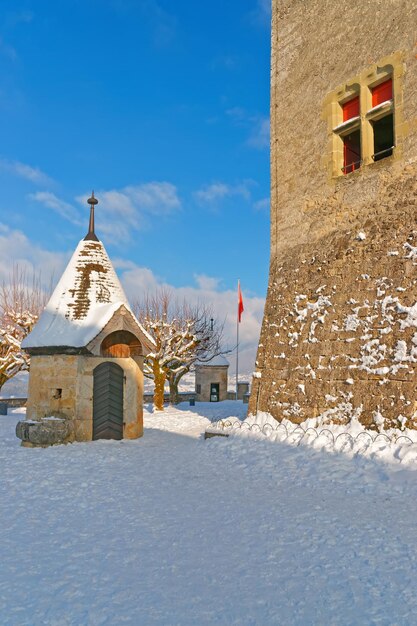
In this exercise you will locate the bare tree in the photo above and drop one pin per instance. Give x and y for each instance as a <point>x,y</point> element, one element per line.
<point>21,302</point>
<point>183,334</point>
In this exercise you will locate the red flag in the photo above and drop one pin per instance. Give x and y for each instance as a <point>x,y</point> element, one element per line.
<point>240,307</point>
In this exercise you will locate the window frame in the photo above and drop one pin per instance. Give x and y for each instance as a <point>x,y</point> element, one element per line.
<point>380,111</point>
<point>361,86</point>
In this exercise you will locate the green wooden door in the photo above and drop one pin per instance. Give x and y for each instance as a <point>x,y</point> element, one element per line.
<point>108,401</point>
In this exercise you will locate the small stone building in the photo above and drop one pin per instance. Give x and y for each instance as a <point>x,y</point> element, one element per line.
<point>87,349</point>
<point>211,380</point>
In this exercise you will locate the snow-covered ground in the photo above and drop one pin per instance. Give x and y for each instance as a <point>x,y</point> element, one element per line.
<point>392,446</point>
<point>175,530</point>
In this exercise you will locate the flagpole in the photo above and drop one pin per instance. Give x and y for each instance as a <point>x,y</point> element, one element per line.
<point>237,336</point>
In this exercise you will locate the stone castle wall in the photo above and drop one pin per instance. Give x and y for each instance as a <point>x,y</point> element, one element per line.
<point>339,331</point>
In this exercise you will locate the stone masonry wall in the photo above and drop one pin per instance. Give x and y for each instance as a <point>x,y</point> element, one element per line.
<point>339,336</point>
<point>204,376</point>
<point>74,376</point>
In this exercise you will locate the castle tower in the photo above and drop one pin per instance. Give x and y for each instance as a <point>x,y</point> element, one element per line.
<point>339,332</point>
<point>87,349</point>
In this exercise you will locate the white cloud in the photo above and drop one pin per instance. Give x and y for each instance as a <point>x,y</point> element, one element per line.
<point>262,205</point>
<point>138,281</point>
<point>158,198</point>
<point>28,172</point>
<point>211,194</point>
<point>238,115</point>
<point>120,211</point>
<point>132,204</point>
<point>259,137</point>
<point>51,201</point>
<point>206,283</point>
<point>17,249</point>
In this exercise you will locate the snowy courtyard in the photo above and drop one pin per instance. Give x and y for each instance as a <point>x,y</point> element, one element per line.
<point>174,530</point>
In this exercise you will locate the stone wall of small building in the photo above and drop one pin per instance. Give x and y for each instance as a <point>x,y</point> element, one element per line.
<point>62,386</point>
<point>204,376</point>
<point>339,331</point>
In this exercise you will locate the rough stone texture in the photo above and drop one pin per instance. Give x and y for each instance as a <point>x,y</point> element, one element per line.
<point>339,331</point>
<point>73,375</point>
<point>207,374</point>
<point>45,432</point>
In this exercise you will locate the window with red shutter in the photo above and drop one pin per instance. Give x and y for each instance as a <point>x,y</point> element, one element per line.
<point>352,152</point>
<point>350,134</point>
<point>382,120</point>
<point>365,116</point>
<point>382,93</point>
<point>350,109</point>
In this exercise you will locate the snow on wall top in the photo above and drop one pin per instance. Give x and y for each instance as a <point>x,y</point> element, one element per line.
<point>84,300</point>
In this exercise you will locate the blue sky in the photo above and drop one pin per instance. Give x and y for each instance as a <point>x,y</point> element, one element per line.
<point>161,107</point>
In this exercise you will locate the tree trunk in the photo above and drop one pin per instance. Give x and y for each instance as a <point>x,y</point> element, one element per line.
<point>173,390</point>
<point>159,379</point>
<point>174,382</point>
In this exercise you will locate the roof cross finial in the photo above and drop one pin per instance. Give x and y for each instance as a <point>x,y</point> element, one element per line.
<point>91,236</point>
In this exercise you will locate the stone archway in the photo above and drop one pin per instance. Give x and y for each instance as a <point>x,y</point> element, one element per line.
<point>121,344</point>
<point>108,383</point>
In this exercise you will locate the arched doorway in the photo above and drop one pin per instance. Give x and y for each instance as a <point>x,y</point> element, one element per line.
<point>108,401</point>
<point>121,344</point>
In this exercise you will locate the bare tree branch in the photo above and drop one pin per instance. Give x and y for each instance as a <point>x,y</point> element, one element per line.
<point>22,300</point>
<point>183,334</point>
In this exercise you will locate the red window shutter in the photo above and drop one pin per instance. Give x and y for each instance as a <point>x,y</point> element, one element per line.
<point>382,93</point>
<point>350,109</point>
<point>352,152</point>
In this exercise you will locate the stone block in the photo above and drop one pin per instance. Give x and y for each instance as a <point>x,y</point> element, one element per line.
<point>45,432</point>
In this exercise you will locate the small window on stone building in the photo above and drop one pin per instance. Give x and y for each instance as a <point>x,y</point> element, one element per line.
<point>350,109</point>
<point>57,394</point>
<point>382,93</point>
<point>352,151</point>
<point>349,134</point>
<point>383,137</point>
<point>198,389</point>
<point>366,117</point>
<point>381,118</point>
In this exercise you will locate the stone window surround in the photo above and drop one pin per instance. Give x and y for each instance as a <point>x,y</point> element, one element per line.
<point>388,67</point>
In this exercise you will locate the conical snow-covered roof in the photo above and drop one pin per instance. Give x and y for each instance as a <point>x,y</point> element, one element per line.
<point>87,296</point>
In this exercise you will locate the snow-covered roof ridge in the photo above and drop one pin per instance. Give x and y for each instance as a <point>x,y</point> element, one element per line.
<point>84,300</point>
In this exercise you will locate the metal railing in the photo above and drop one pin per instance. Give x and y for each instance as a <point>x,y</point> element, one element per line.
<point>345,168</point>
<point>387,151</point>
<point>298,433</point>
